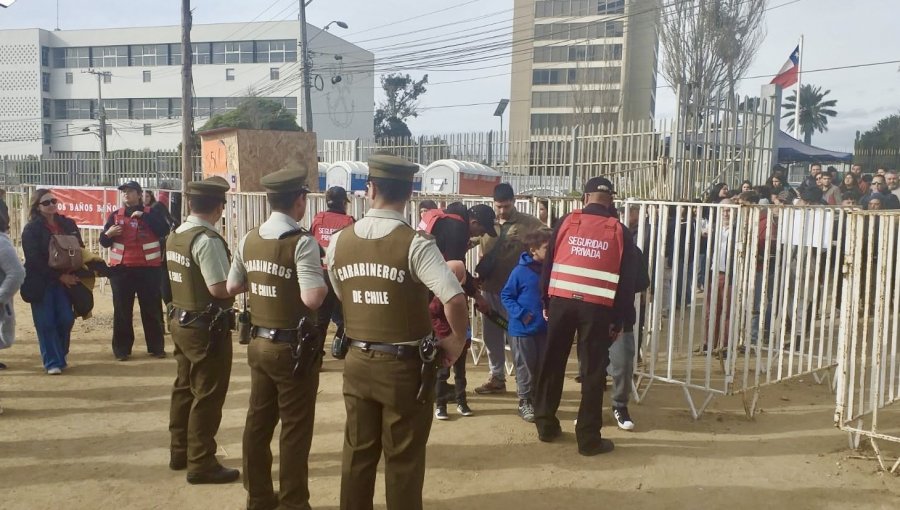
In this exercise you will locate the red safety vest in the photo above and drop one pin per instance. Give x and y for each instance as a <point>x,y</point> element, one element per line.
<point>433,215</point>
<point>137,245</point>
<point>326,223</point>
<point>587,259</point>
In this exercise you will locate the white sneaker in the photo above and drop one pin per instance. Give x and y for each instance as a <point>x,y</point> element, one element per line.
<point>622,419</point>
<point>54,371</point>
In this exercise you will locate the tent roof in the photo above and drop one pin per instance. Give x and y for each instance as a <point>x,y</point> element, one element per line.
<point>791,150</point>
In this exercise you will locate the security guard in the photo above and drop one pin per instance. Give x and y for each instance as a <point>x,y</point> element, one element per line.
<point>382,271</point>
<point>588,288</point>
<point>324,225</point>
<point>132,234</point>
<point>197,261</point>
<point>279,263</point>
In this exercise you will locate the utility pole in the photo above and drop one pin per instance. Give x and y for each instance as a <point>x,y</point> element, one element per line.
<point>187,106</point>
<point>307,62</point>
<point>101,114</point>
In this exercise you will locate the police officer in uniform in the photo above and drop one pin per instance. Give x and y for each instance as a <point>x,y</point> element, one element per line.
<point>382,271</point>
<point>197,262</point>
<point>280,265</point>
<point>588,288</point>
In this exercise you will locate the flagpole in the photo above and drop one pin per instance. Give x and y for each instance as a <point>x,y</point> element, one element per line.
<point>799,81</point>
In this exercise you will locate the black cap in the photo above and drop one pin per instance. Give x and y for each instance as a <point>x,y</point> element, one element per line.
<point>131,185</point>
<point>336,195</point>
<point>598,184</point>
<point>484,216</point>
<point>811,195</point>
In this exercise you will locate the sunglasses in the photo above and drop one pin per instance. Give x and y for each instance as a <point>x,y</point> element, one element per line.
<point>51,201</point>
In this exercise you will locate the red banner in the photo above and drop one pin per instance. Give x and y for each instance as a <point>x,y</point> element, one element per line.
<point>89,207</point>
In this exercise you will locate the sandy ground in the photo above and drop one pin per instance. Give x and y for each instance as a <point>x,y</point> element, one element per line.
<point>96,438</point>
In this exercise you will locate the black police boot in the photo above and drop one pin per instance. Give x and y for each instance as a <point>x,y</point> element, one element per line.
<point>220,474</point>
<point>177,461</point>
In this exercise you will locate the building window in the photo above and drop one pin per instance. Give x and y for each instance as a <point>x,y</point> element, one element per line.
<point>45,56</point>
<point>232,52</point>
<point>276,51</point>
<point>229,74</point>
<point>148,130</point>
<point>107,77</point>
<point>116,108</point>
<point>69,78</point>
<point>109,56</point>
<point>45,108</point>
<point>45,82</point>
<point>156,108</point>
<point>48,132</point>
<point>71,57</point>
<point>174,54</point>
<point>146,76</point>
<point>150,55</point>
<point>74,108</point>
<point>222,105</point>
<point>274,74</point>
<point>591,53</point>
<point>583,76</point>
<point>201,53</point>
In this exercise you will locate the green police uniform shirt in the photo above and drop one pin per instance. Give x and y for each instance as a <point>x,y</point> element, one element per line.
<point>426,264</point>
<point>308,264</point>
<point>209,253</point>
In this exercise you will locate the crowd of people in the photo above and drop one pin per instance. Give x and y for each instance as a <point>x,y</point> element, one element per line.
<point>399,295</point>
<point>878,191</point>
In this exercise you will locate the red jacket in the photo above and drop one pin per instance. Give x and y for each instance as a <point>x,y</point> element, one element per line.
<point>587,259</point>
<point>326,223</point>
<point>137,245</point>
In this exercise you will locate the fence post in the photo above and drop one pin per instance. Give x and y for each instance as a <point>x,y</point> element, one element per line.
<point>420,150</point>
<point>573,155</point>
<point>490,149</point>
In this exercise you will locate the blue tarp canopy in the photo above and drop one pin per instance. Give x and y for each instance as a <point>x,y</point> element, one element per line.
<point>791,150</point>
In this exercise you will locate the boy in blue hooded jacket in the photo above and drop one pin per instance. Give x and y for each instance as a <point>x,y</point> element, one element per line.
<point>521,296</point>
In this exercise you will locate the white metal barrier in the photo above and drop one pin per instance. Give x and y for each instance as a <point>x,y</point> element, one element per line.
<point>868,378</point>
<point>741,296</point>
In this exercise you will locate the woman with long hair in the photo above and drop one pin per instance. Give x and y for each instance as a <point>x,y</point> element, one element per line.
<point>44,287</point>
<point>850,184</point>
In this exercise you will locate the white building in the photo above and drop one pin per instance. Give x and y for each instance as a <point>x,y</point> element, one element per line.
<point>49,98</point>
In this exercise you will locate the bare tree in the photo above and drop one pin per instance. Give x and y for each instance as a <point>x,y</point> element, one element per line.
<point>710,44</point>
<point>591,97</point>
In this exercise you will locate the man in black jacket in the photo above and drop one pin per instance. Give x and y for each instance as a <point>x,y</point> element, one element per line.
<point>452,236</point>
<point>595,311</point>
<point>133,234</point>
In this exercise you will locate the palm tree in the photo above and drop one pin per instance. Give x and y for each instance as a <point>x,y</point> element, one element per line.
<point>814,111</point>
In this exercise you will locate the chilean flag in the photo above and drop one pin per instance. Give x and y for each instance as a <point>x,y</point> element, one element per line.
<point>787,76</point>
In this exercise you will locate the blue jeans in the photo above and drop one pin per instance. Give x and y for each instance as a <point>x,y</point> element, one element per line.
<point>529,353</point>
<point>53,320</point>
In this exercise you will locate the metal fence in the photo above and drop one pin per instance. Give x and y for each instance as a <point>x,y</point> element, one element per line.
<point>742,297</point>
<point>151,169</point>
<point>873,159</point>
<point>868,380</point>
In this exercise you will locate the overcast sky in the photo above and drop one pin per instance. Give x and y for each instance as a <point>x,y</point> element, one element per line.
<point>837,33</point>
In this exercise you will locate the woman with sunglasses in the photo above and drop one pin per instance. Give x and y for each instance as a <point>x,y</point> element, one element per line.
<point>44,287</point>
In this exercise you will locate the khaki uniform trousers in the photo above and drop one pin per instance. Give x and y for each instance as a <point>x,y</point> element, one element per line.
<point>198,394</point>
<point>275,393</point>
<point>383,415</point>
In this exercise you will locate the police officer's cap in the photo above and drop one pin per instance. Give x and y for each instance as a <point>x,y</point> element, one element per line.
<point>386,166</point>
<point>599,184</point>
<point>290,178</point>
<point>214,186</point>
